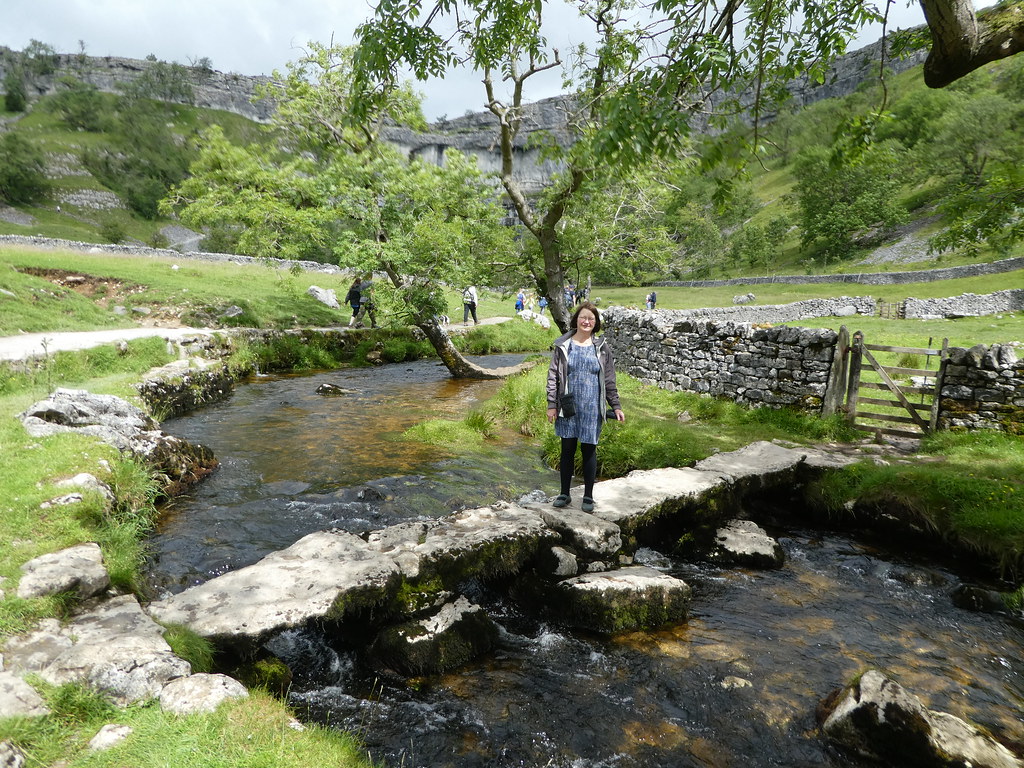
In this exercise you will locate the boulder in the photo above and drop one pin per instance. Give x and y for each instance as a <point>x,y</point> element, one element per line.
<point>77,569</point>
<point>627,599</point>
<point>448,638</point>
<point>877,718</point>
<point>743,543</point>
<point>127,428</point>
<point>322,576</point>
<point>200,693</point>
<point>324,296</point>
<point>115,648</point>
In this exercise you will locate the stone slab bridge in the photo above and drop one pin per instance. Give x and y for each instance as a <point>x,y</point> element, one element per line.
<point>579,566</point>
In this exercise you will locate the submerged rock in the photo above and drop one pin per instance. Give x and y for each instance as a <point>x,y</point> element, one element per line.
<point>741,542</point>
<point>626,599</point>
<point>877,718</point>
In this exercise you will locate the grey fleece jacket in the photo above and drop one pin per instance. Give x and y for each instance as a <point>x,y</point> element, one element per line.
<point>558,372</point>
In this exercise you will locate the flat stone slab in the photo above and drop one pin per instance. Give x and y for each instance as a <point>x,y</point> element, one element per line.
<point>487,541</point>
<point>321,576</point>
<point>581,529</point>
<point>760,459</point>
<point>645,494</point>
<point>116,648</point>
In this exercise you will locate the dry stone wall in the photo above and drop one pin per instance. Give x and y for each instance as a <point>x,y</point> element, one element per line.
<point>750,365</point>
<point>966,305</point>
<point>983,388</point>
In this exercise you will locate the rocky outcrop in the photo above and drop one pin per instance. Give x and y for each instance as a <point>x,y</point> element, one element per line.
<point>878,719</point>
<point>178,463</point>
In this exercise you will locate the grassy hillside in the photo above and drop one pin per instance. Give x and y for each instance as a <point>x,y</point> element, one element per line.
<point>927,140</point>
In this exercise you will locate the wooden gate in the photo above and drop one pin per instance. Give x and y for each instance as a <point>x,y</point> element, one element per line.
<point>901,396</point>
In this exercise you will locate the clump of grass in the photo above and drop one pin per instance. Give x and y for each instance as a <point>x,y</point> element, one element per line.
<point>509,337</point>
<point>186,644</point>
<point>444,432</point>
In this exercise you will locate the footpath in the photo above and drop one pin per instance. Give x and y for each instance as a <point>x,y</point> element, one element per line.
<point>26,345</point>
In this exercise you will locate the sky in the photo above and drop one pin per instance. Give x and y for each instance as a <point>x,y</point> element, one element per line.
<point>255,37</point>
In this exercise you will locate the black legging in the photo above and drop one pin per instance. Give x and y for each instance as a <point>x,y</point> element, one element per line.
<point>567,463</point>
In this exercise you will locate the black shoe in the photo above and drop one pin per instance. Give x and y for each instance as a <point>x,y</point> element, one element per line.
<point>562,500</point>
<point>587,505</point>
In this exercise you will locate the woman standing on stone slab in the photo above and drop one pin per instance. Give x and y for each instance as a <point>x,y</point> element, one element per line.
<point>581,379</point>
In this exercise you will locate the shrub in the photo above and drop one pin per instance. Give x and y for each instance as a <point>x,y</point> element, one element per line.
<point>22,169</point>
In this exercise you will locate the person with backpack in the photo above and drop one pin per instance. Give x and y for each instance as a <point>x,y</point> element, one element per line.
<point>352,298</point>
<point>469,300</point>
<point>366,305</point>
<point>654,300</point>
<point>542,303</point>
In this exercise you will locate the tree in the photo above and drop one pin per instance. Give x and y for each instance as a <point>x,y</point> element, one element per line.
<point>22,169</point>
<point>839,200</point>
<point>331,185</point>
<point>655,70</point>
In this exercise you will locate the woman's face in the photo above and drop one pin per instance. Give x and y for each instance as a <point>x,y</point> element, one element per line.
<point>585,321</point>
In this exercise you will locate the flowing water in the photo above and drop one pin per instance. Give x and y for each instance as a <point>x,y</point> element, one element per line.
<point>737,684</point>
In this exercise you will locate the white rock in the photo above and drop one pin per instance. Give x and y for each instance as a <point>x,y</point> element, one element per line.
<point>108,736</point>
<point>199,693</point>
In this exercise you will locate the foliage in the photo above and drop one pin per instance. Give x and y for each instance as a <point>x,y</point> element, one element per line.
<point>142,157</point>
<point>839,201</point>
<point>161,81</point>
<point>15,92</point>
<point>22,169</point>
<point>80,105</point>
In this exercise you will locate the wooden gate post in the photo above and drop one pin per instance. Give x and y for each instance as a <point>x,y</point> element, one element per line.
<point>835,389</point>
<point>933,422</point>
<point>853,385</point>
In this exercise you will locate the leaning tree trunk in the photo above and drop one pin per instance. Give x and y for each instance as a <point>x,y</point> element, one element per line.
<point>459,366</point>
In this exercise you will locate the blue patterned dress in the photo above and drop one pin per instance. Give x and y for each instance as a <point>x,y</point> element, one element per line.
<point>585,384</point>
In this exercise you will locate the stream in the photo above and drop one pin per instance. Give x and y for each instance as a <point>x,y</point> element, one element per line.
<point>737,684</point>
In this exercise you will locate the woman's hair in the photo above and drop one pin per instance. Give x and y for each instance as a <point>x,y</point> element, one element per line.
<point>593,309</point>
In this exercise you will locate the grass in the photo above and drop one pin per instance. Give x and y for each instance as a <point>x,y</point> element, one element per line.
<point>255,732</point>
<point>971,495</point>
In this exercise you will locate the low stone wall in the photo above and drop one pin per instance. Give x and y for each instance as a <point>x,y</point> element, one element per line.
<point>871,278</point>
<point>983,388</point>
<point>966,305</point>
<point>840,306</point>
<point>53,244</point>
<point>753,366</point>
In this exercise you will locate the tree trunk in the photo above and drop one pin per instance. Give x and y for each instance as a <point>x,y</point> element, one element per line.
<point>459,366</point>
